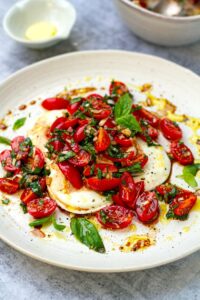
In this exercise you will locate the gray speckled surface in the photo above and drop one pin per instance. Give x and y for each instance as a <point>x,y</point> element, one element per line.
<point>98,27</point>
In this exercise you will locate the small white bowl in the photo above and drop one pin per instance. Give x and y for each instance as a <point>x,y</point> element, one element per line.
<point>157,28</point>
<point>27,12</point>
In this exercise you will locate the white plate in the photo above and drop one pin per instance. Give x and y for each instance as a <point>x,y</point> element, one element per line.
<point>97,67</point>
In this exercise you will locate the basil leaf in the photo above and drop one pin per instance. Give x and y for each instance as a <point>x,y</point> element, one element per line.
<point>57,226</point>
<point>130,122</point>
<point>123,106</point>
<point>87,234</point>
<point>65,156</point>
<point>6,201</point>
<point>136,168</point>
<point>189,173</point>
<point>190,179</point>
<point>192,169</point>
<point>40,221</point>
<point>19,123</point>
<point>24,207</point>
<point>4,140</point>
<point>75,100</point>
<point>36,188</point>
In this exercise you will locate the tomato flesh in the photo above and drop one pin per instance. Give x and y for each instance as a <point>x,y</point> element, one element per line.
<point>115,217</point>
<point>150,117</point>
<point>181,153</point>
<point>117,88</point>
<point>103,140</point>
<point>41,207</point>
<point>127,190</point>
<point>7,161</point>
<point>103,184</point>
<point>146,207</point>
<point>21,150</point>
<point>183,203</point>
<point>123,141</point>
<point>79,135</point>
<point>170,130</point>
<point>81,159</point>
<point>8,186</point>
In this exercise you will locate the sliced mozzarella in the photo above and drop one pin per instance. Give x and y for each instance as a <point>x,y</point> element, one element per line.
<point>81,201</point>
<point>158,167</point>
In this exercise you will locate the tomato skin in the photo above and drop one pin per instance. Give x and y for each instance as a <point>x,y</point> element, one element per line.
<point>105,168</point>
<point>148,131</point>
<point>102,185</point>
<point>8,186</point>
<point>117,200</point>
<point>127,189</point>
<point>38,160</point>
<point>146,207</point>
<point>142,113</point>
<point>94,97</point>
<point>72,174</point>
<point>103,140</point>
<point>142,159</point>
<point>171,131</point>
<point>28,195</point>
<point>181,153</point>
<point>72,108</point>
<point>55,103</point>
<point>183,203</point>
<point>81,159</point>
<point>99,109</point>
<point>79,135</point>
<point>15,145</point>
<point>139,186</point>
<point>123,141</point>
<point>41,207</point>
<point>63,123</point>
<point>117,88</point>
<point>115,217</point>
<point>57,145</point>
<point>7,162</point>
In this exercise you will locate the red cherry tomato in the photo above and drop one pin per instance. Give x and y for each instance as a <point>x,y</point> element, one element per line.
<point>41,207</point>
<point>20,148</point>
<point>103,140</point>
<point>29,195</point>
<point>127,189</point>
<point>55,103</point>
<point>72,174</point>
<point>115,217</point>
<point>79,135</point>
<point>164,189</point>
<point>38,159</point>
<point>170,130</point>
<point>181,153</point>
<point>110,123</point>
<point>148,132</point>
<point>117,200</point>
<point>142,113</point>
<point>99,109</point>
<point>7,161</point>
<point>81,159</point>
<point>72,108</point>
<point>182,204</point>
<point>123,141</point>
<point>63,123</point>
<point>146,207</point>
<point>105,169</point>
<point>57,145</point>
<point>94,97</point>
<point>102,185</point>
<point>142,159</point>
<point>139,186</point>
<point>117,88</point>
<point>8,186</point>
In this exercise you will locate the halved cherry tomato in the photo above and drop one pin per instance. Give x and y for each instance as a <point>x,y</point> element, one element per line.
<point>8,186</point>
<point>103,184</point>
<point>117,88</point>
<point>146,207</point>
<point>181,153</point>
<point>94,97</point>
<point>103,140</point>
<point>63,123</point>
<point>20,148</point>
<point>99,109</point>
<point>115,217</point>
<point>148,132</point>
<point>41,207</point>
<point>55,103</point>
<point>38,159</point>
<point>127,190</point>
<point>123,141</point>
<point>139,186</point>
<point>170,130</point>
<point>72,108</point>
<point>7,162</point>
<point>105,168</point>
<point>142,159</point>
<point>29,195</point>
<point>164,189</point>
<point>110,123</point>
<point>117,200</point>
<point>57,145</point>
<point>182,204</point>
<point>75,147</point>
<point>72,174</point>
<point>142,113</point>
<point>81,159</point>
<point>79,135</point>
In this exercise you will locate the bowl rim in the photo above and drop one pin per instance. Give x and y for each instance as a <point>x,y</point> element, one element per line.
<point>160,16</point>
<point>11,11</point>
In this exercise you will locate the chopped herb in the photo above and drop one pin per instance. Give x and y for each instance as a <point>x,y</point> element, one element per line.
<point>6,201</point>
<point>19,123</point>
<point>65,156</point>
<point>57,226</point>
<point>41,221</point>
<point>92,170</point>
<point>80,114</point>
<point>114,151</point>
<point>134,169</point>
<point>36,188</point>
<point>99,173</point>
<point>4,140</point>
<point>24,208</point>
<point>75,100</point>
<point>138,107</point>
<point>104,217</point>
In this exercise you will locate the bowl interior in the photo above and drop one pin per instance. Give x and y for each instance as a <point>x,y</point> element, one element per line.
<point>26,13</point>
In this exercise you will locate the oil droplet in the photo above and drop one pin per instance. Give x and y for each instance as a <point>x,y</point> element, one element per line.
<point>186,229</point>
<point>169,237</point>
<point>197,205</point>
<point>41,31</point>
<point>163,211</point>
<point>137,242</point>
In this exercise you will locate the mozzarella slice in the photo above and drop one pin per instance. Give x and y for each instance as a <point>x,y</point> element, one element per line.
<point>81,201</point>
<point>158,167</point>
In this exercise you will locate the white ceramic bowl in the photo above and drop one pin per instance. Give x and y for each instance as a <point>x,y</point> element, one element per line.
<point>27,12</point>
<point>159,29</point>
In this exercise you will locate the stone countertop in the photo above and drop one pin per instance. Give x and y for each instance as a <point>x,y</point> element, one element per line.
<point>98,27</point>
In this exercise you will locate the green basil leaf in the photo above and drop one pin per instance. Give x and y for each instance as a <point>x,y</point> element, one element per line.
<point>65,156</point>
<point>192,169</point>
<point>189,173</point>
<point>4,140</point>
<point>123,106</point>
<point>190,179</point>
<point>24,207</point>
<point>19,123</point>
<point>6,201</point>
<point>75,100</point>
<point>136,168</point>
<point>41,221</point>
<point>57,226</point>
<point>36,188</point>
<point>87,234</point>
<point>130,122</point>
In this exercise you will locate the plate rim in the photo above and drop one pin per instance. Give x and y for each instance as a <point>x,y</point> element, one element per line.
<point>64,264</point>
